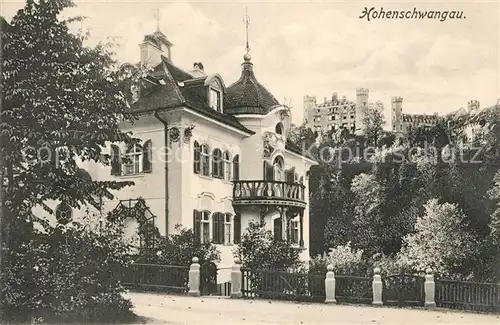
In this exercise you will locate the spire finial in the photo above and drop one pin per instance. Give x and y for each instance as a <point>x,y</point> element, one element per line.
<point>246,21</point>
<point>156,13</point>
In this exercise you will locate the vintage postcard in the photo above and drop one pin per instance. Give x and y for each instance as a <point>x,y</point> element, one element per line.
<point>259,162</point>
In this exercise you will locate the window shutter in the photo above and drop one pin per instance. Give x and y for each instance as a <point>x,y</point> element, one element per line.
<point>236,168</point>
<point>147,156</point>
<point>218,228</point>
<point>221,228</point>
<point>197,225</point>
<point>116,163</point>
<point>197,157</point>
<point>237,228</point>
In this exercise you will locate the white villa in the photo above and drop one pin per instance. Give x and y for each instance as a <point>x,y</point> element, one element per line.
<point>212,157</point>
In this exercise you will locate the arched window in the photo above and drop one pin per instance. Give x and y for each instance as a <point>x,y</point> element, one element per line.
<point>133,156</point>
<point>279,128</point>
<point>236,167</point>
<point>279,173</point>
<point>205,160</point>
<point>116,161</point>
<point>197,158</point>
<point>64,213</point>
<point>227,165</point>
<point>217,164</point>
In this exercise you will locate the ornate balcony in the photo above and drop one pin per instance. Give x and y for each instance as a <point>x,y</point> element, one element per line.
<point>274,193</point>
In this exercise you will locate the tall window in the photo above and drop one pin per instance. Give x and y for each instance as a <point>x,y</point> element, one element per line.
<point>215,100</point>
<point>227,165</point>
<point>218,228</point>
<point>294,232</point>
<point>205,160</point>
<point>64,213</point>
<point>236,167</point>
<point>279,173</point>
<point>205,226</point>
<point>133,164</point>
<point>217,164</point>
<point>227,228</point>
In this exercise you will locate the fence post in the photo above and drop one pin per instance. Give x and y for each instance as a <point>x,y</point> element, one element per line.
<point>236,279</point>
<point>330,285</point>
<point>430,289</point>
<point>377,287</point>
<point>194,278</point>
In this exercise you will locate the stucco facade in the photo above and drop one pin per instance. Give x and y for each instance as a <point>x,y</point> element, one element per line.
<point>202,142</point>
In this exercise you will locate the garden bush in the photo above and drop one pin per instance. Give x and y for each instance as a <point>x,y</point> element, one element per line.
<point>66,274</point>
<point>344,259</point>
<point>180,248</point>
<point>259,250</point>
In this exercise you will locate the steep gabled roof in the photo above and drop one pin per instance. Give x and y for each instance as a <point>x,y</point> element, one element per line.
<point>173,87</point>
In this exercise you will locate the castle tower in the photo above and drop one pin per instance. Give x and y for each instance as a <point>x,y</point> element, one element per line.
<point>397,114</point>
<point>361,107</point>
<point>473,106</point>
<point>309,107</point>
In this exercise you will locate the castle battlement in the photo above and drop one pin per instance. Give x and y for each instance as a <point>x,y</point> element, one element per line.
<point>397,99</point>
<point>309,98</point>
<point>362,91</point>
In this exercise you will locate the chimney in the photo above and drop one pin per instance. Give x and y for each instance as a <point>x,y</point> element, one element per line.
<point>198,69</point>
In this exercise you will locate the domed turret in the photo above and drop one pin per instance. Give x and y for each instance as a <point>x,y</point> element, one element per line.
<point>247,95</point>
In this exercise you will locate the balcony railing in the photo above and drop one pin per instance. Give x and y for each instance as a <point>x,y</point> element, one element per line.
<point>268,192</point>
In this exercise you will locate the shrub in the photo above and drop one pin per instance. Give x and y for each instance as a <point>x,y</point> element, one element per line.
<point>67,274</point>
<point>179,249</point>
<point>259,250</point>
<point>345,261</point>
<point>440,240</point>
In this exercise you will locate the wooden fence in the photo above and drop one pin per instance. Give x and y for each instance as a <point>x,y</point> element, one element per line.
<point>468,295</point>
<point>400,289</point>
<point>282,285</point>
<point>166,278</point>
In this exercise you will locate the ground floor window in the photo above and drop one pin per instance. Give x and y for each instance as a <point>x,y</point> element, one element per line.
<point>217,227</point>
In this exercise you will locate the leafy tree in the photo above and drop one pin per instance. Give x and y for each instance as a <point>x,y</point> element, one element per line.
<point>373,120</point>
<point>440,240</point>
<point>62,104</point>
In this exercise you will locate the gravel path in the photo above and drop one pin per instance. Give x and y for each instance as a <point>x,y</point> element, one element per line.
<point>181,310</point>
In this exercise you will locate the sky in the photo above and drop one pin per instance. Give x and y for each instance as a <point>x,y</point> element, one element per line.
<point>319,47</point>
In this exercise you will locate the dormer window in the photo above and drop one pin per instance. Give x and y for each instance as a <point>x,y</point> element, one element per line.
<point>215,100</point>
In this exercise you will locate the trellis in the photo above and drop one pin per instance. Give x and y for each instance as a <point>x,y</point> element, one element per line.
<point>137,209</point>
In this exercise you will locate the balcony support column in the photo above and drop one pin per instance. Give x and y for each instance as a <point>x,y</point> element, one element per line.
<point>284,223</point>
<point>301,224</point>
